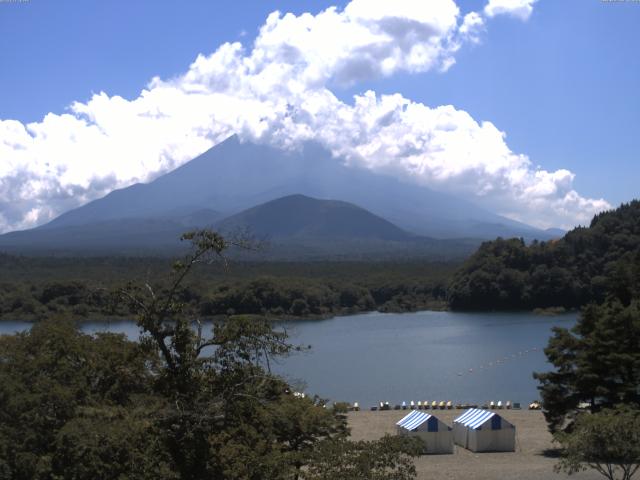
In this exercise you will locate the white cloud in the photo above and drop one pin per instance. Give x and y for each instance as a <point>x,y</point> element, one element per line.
<point>472,26</point>
<point>279,92</point>
<point>521,9</point>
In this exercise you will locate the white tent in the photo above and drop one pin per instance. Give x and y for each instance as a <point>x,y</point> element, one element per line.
<point>484,431</point>
<point>437,436</point>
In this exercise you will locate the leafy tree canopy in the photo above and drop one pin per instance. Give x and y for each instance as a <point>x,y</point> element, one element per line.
<point>597,363</point>
<point>580,268</point>
<point>608,442</point>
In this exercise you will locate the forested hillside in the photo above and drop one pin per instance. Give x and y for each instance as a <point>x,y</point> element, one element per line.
<point>573,271</point>
<point>35,287</point>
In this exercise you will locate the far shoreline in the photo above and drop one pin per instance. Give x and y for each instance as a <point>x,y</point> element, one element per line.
<point>436,307</point>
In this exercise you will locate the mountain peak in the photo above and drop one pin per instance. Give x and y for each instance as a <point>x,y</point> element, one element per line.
<point>236,175</point>
<point>298,216</point>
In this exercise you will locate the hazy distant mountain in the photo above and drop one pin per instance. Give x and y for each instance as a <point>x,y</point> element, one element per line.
<point>127,236</point>
<point>233,176</point>
<point>275,186</point>
<point>296,218</point>
<point>556,232</point>
<point>299,227</point>
<point>295,227</point>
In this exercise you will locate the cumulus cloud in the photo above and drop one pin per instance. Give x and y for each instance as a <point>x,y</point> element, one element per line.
<point>279,92</point>
<point>521,9</point>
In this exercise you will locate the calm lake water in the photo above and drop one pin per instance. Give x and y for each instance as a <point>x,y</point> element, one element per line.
<point>463,357</point>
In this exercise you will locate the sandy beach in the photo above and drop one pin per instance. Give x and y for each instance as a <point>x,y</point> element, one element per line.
<point>530,461</point>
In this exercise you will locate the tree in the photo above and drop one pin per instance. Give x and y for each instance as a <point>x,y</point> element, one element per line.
<point>390,458</point>
<point>51,378</point>
<point>607,441</point>
<point>583,266</point>
<point>227,415</point>
<point>222,418</point>
<point>597,362</point>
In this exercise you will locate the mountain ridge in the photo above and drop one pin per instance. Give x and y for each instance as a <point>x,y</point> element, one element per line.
<point>296,227</point>
<point>233,176</point>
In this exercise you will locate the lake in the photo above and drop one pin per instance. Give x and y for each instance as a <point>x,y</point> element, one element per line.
<point>463,357</point>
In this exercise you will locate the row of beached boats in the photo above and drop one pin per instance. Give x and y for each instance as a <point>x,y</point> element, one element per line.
<point>448,405</point>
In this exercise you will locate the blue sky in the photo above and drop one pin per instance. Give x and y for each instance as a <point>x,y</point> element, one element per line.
<point>562,85</point>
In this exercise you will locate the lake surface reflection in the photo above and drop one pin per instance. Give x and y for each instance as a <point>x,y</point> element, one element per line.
<point>463,357</point>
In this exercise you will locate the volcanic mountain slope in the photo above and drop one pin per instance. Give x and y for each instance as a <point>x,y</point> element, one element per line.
<point>233,176</point>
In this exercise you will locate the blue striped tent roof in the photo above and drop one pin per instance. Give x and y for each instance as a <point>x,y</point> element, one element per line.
<point>475,418</point>
<point>414,420</point>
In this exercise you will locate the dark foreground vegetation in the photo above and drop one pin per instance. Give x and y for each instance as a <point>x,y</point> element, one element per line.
<point>591,399</point>
<point>32,287</point>
<point>584,266</point>
<point>74,406</point>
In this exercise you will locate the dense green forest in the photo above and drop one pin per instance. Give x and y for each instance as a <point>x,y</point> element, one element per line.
<point>81,407</point>
<point>34,287</point>
<point>580,268</point>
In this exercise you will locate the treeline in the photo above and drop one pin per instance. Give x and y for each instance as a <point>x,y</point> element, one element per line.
<point>295,297</point>
<point>583,267</point>
<point>32,288</point>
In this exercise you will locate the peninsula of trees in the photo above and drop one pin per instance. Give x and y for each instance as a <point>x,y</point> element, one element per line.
<point>582,267</point>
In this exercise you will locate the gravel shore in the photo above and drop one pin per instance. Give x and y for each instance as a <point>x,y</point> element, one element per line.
<point>532,460</point>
